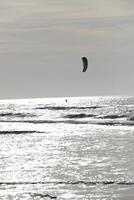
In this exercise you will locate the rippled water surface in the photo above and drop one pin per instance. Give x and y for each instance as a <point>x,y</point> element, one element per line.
<point>79,149</point>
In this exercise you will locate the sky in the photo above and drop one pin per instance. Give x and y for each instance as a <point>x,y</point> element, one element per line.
<point>42,42</point>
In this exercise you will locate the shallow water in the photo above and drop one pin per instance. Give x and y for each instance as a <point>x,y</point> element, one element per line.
<point>79,149</point>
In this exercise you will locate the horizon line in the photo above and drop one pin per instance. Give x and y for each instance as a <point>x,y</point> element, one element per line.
<point>64,97</point>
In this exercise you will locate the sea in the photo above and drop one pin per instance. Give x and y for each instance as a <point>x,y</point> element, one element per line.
<point>72,148</point>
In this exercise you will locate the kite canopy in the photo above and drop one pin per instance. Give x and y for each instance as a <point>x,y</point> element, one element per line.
<point>85,64</point>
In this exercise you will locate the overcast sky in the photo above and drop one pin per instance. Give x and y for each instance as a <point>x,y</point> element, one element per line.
<point>42,42</point>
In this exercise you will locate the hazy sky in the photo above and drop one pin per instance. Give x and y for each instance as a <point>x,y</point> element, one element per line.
<point>42,42</point>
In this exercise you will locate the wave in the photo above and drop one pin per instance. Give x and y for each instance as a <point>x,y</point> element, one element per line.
<point>42,195</point>
<point>10,114</point>
<point>66,107</point>
<point>73,121</point>
<point>104,182</point>
<point>81,115</point>
<point>18,132</point>
<point>111,116</point>
<point>45,121</point>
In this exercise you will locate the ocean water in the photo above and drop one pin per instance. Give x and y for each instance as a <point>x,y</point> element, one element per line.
<point>82,148</point>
